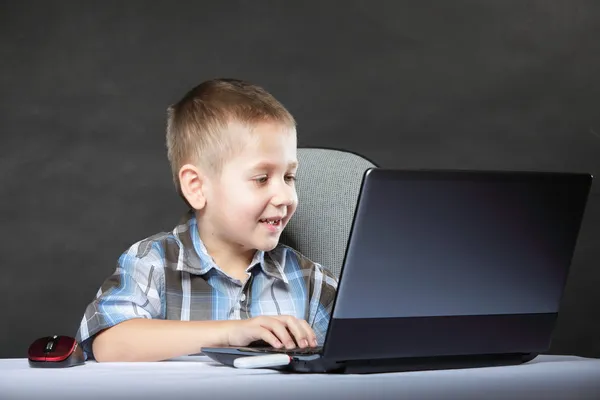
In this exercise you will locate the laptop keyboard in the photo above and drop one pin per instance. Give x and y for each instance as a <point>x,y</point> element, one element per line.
<point>297,351</point>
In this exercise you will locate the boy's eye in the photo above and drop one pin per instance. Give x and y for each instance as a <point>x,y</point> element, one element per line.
<point>261,180</point>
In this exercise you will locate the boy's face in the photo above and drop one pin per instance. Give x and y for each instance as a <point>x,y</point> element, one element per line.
<point>253,199</point>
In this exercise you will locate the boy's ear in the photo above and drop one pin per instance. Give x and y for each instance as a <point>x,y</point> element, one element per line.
<point>192,184</point>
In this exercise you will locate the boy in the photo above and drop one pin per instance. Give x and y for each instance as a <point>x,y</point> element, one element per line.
<point>220,277</point>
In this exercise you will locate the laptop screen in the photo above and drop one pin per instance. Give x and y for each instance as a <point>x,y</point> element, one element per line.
<point>437,243</point>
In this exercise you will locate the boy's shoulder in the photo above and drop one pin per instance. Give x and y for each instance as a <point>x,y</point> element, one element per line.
<point>156,242</point>
<point>159,250</point>
<point>155,246</point>
<point>165,243</point>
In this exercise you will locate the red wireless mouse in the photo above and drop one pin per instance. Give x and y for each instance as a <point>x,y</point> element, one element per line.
<point>55,352</point>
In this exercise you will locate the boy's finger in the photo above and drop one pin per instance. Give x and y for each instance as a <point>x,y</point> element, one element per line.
<point>301,334</point>
<point>280,330</point>
<point>310,333</point>
<point>269,337</point>
<point>301,330</point>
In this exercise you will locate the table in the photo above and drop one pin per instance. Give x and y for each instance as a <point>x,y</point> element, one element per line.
<point>198,377</point>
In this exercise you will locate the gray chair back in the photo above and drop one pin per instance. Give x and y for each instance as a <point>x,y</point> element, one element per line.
<point>328,184</point>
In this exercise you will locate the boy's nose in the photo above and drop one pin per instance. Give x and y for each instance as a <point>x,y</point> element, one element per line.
<point>284,196</point>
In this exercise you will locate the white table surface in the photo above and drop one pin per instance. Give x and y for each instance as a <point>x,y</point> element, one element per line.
<point>197,377</point>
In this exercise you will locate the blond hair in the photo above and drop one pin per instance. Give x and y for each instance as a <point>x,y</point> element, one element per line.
<point>197,124</point>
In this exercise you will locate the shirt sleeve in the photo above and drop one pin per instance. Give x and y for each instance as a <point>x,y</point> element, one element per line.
<point>325,286</point>
<point>134,290</point>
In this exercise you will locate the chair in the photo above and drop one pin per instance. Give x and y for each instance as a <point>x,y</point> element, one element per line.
<point>328,186</point>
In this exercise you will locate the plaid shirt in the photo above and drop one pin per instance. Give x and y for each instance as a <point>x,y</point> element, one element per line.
<point>171,276</point>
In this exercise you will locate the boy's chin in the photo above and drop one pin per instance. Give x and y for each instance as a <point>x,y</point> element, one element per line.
<point>267,245</point>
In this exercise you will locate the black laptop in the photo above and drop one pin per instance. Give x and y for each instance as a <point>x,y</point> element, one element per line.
<point>447,269</point>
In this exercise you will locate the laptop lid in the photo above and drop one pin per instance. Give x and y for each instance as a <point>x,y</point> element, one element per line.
<point>455,263</point>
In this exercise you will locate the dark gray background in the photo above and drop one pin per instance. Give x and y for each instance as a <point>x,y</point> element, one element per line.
<point>421,84</point>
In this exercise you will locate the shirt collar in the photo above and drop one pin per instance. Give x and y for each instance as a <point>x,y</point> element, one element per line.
<point>197,261</point>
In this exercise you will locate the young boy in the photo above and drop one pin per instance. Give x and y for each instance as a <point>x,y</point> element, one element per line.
<point>220,278</point>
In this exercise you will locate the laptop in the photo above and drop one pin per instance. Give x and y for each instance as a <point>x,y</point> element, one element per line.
<point>443,270</point>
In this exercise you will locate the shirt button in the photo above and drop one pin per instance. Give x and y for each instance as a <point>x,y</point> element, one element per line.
<point>243,297</point>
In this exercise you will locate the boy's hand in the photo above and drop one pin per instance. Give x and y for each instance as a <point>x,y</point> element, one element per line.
<point>278,331</point>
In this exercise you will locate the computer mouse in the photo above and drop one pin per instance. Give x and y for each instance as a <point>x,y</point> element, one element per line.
<point>55,352</point>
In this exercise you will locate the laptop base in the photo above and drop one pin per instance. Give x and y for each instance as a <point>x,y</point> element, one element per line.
<point>434,363</point>
<point>316,363</point>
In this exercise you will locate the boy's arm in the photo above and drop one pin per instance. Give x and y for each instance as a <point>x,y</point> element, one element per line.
<point>133,292</point>
<point>156,339</point>
<point>126,320</point>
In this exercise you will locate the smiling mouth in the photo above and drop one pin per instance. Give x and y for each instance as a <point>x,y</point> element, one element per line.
<point>271,221</point>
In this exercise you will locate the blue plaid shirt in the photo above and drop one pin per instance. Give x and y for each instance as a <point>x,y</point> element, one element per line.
<point>171,276</point>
